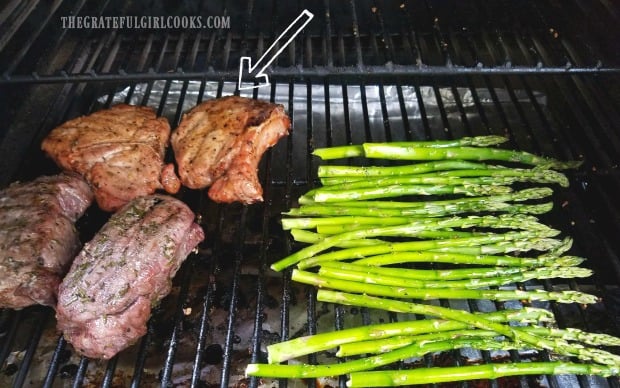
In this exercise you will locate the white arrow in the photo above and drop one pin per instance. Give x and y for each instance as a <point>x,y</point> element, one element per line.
<point>245,64</point>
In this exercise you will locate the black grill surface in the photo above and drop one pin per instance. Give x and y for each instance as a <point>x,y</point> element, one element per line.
<point>545,73</point>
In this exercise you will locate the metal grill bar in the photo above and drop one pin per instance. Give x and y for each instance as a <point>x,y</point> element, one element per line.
<point>166,374</point>
<point>317,73</point>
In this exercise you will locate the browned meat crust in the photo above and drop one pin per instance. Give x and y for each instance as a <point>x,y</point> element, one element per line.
<point>38,239</point>
<point>220,142</point>
<point>120,152</point>
<point>105,300</point>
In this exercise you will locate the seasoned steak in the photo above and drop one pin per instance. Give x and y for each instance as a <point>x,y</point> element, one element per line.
<point>105,300</point>
<point>120,152</point>
<point>220,142</point>
<point>38,239</point>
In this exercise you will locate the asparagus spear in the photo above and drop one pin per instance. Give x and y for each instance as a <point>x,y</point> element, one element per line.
<point>302,235</point>
<point>324,281</point>
<point>417,349</point>
<point>474,283</point>
<point>426,211</point>
<point>361,252</point>
<point>459,177</point>
<point>313,222</point>
<point>319,195</point>
<point>297,347</point>
<point>503,221</point>
<point>461,258</point>
<point>453,279</point>
<point>553,248</point>
<point>517,196</point>
<point>350,151</point>
<point>342,224</point>
<point>305,236</point>
<point>381,345</point>
<point>474,372</point>
<point>310,223</point>
<point>558,346</point>
<point>412,152</point>
<point>418,168</point>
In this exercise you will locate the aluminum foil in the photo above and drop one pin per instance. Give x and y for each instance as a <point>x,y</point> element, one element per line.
<point>375,108</point>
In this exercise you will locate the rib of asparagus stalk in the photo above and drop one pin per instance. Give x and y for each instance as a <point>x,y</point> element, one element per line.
<point>474,372</point>
<point>301,346</point>
<point>350,151</point>
<point>556,345</point>
<point>324,281</point>
<point>412,152</point>
<point>502,221</point>
<point>386,344</point>
<point>458,177</point>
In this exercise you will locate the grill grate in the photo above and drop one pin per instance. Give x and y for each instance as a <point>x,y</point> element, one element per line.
<point>230,275</point>
<point>363,71</point>
<point>413,36</point>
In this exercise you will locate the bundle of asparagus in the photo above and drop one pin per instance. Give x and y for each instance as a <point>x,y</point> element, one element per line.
<point>368,227</point>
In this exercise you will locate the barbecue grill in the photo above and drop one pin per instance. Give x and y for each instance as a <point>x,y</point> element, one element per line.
<point>546,73</point>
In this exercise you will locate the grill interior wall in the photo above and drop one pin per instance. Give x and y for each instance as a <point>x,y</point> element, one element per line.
<point>226,295</point>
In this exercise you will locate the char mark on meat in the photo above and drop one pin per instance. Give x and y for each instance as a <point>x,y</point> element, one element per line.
<point>220,143</point>
<point>119,151</point>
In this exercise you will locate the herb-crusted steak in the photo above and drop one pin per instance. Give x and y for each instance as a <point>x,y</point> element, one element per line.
<point>38,239</point>
<point>220,142</point>
<point>105,300</point>
<point>120,152</point>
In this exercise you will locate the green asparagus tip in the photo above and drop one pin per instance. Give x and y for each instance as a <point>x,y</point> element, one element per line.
<point>563,261</point>
<point>560,165</point>
<point>486,141</point>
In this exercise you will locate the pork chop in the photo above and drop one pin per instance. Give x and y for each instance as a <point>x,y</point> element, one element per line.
<point>119,151</point>
<point>105,300</point>
<point>220,142</point>
<point>38,239</point>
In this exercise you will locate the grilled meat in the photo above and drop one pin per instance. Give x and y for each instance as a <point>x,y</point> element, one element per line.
<point>220,142</point>
<point>38,239</point>
<point>105,300</point>
<point>120,152</point>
